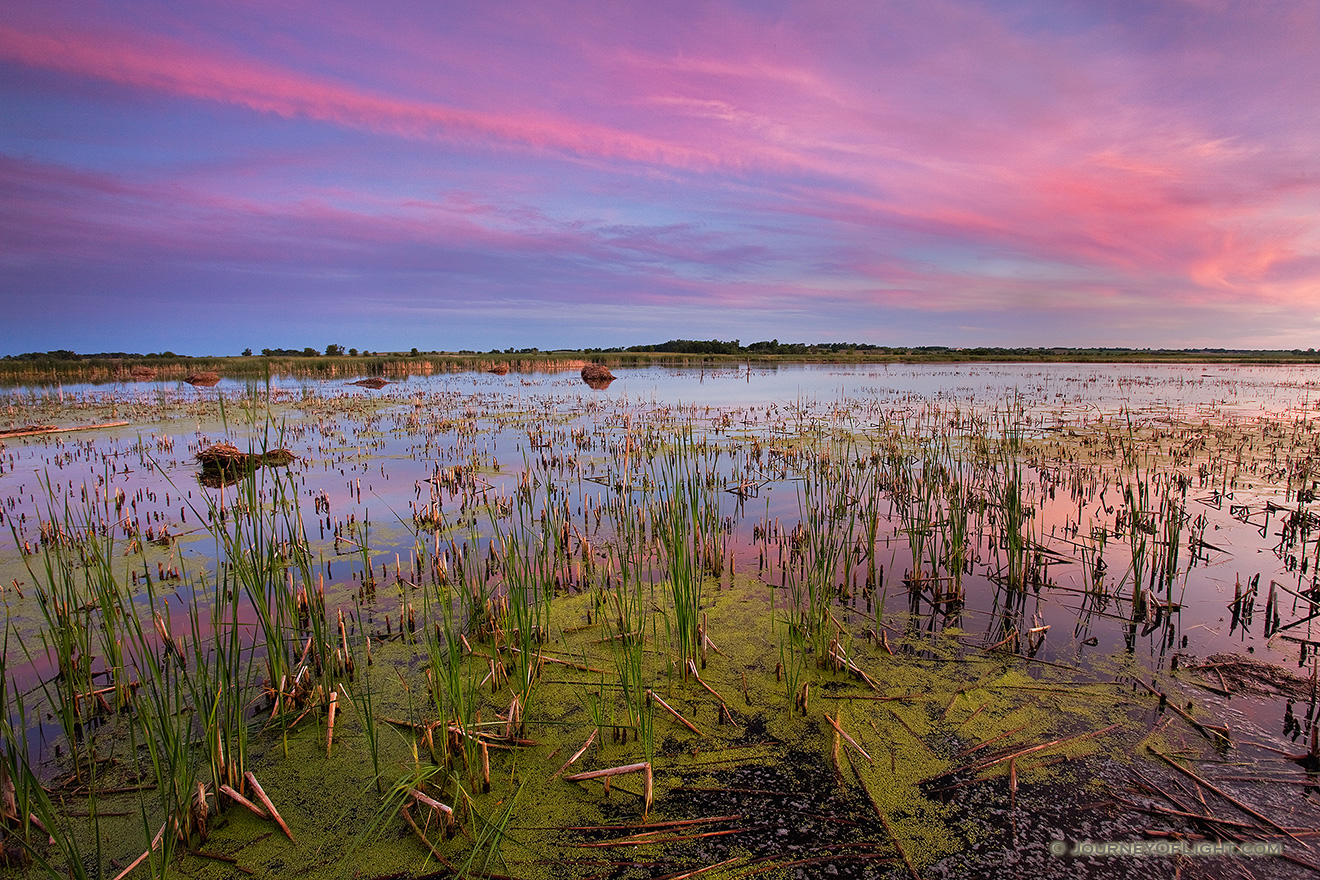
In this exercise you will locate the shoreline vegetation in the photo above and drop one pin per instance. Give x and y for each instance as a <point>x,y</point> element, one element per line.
<point>69,366</point>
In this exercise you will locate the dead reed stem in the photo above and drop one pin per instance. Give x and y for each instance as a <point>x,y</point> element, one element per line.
<point>261,796</point>
<point>672,711</point>
<point>1250,811</point>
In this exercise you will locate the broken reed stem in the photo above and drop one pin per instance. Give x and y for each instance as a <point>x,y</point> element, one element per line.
<point>546,658</point>
<point>836,758</point>
<point>1213,732</point>
<point>852,742</point>
<point>606,774</point>
<point>991,762</point>
<point>229,860</point>
<point>579,753</point>
<point>261,796</point>
<point>1250,811</point>
<point>994,761</point>
<point>330,722</point>
<point>976,748</point>
<point>969,718</point>
<point>1209,731</point>
<point>686,874</point>
<point>445,812</point>
<point>5,435</point>
<point>407,816</point>
<point>650,838</point>
<point>908,728</point>
<point>649,795</point>
<point>651,826</point>
<point>430,802</point>
<point>1156,810</point>
<point>692,667</point>
<point>672,711</point>
<point>884,820</point>
<point>140,859</point>
<point>244,802</point>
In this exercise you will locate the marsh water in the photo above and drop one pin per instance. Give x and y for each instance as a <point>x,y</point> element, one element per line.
<point>864,620</point>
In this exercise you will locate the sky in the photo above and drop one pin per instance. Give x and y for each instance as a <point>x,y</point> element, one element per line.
<point>209,177</point>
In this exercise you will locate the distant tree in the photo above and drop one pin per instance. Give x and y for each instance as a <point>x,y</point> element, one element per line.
<point>247,352</point>
<point>310,352</point>
<point>353,352</point>
<point>414,351</point>
<point>693,346</point>
<point>334,350</point>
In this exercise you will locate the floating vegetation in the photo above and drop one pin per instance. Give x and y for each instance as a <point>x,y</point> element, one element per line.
<point>497,628</point>
<point>597,376</point>
<point>225,464</point>
<point>208,379</point>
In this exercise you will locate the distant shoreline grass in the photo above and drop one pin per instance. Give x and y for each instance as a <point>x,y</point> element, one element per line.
<point>58,367</point>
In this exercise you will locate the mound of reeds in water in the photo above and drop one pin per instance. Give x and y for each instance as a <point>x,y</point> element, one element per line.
<point>597,376</point>
<point>224,463</point>
<point>202,380</point>
<point>499,370</point>
<point>372,383</point>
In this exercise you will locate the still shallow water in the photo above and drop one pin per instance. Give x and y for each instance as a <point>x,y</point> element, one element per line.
<point>383,457</point>
<point>370,464</point>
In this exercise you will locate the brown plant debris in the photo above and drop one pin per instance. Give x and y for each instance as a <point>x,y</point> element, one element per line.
<point>597,376</point>
<point>224,463</point>
<point>1239,674</point>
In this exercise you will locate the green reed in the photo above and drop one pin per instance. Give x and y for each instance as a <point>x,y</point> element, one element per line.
<point>685,516</point>
<point>825,534</point>
<point>1136,496</point>
<point>35,813</point>
<point>67,604</point>
<point>363,698</point>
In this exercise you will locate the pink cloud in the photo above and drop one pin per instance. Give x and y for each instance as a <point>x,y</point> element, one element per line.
<point>945,156</point>
<point>165,66</point>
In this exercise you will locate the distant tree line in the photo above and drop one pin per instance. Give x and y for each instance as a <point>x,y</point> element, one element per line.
<point>735,346</point>
<point>332,350</point>
<point>63,354</point>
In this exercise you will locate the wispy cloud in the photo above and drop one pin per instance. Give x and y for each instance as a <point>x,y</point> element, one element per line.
<point>824,164</point>
<point>163,66</point>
